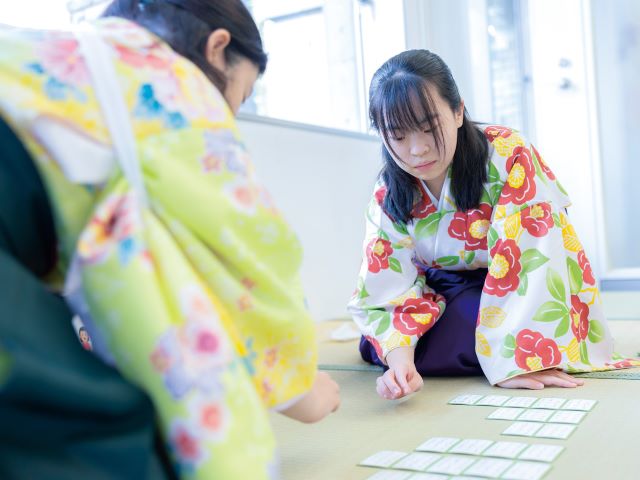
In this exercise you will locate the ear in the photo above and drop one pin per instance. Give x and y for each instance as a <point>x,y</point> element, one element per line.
<point>459,114</point>
<point>216,43</point>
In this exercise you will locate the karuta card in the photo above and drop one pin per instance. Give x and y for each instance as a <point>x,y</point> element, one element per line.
<point>555,430</point>
<point>523,402</point>
<point>505,449</point>
<point>438,444</point>
<point>429,476</point>
<point>523,429</point>
<point>390,475</point>
<point>452,464</point>
<point>385,458</point>
<point>418,461</point>
<point>534,415</point>
<point>463,477</point>
<point>526,471</point>
<point>579,404</point>
<point>488,467</point>
<point>541,452</point>
<point>471,446</point>
<point>505,413</point>
<point>550,403</point>
<point>465,399</point>
<point>567,416</point>
<point>492,401</point>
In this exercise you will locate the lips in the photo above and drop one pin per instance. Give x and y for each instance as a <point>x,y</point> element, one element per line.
<point>424,165</point>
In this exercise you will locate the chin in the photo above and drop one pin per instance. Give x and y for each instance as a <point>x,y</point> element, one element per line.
<point>428,176</point>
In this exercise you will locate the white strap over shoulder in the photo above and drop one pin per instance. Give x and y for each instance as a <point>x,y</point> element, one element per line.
<point>99,61</point>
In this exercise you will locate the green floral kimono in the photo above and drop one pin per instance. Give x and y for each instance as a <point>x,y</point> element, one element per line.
<point>196,297</point>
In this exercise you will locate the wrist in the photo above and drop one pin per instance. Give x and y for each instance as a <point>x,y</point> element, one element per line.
<point>400,355</point>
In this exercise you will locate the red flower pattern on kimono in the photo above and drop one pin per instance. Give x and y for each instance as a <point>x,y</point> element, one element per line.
<point>376,345</point>
<point>380,194</point>
<point>537,219</point>
<point>520,186</point>
<point>378,252</point>
<point>472,226</point>
<point>186,444</point>
<point>547,171</point>
<point>534,351</point>
<point>624,364</point>
<point>139,58</point>
<point>579,318</point>
<point>424,207</point>
<point>585,265</point>
<point>494,131</point>
<point>505,268</point>
<point>416,315</point>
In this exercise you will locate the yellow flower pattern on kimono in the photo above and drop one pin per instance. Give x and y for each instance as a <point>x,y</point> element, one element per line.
<point>538,308</point>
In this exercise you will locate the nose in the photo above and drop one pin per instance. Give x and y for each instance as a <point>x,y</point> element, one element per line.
<point>419,145</point>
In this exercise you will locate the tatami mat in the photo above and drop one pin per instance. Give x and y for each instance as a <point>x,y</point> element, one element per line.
<point>604,446</point>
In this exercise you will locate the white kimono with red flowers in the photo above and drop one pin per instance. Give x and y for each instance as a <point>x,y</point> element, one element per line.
<point>540,306</point>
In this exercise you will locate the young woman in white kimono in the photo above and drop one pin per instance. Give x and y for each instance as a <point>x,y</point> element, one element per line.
<point>470,263</point>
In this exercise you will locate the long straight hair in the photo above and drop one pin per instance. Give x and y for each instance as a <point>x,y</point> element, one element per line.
<point>186,25</point>
<point>399,100</point>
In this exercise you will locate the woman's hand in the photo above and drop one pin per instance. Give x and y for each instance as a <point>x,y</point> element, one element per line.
<point>320,401</point>
<point>544,378</point>
<point>402,378</point>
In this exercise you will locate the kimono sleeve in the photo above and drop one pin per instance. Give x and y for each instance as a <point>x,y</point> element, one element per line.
<point>540,307</point>
<point>392,304</point>
<point>167,333</point>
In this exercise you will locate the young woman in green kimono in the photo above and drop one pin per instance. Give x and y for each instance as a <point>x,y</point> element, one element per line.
<point>183,273</point>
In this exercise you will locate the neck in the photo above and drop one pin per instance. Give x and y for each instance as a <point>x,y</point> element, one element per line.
<point>435,185</point>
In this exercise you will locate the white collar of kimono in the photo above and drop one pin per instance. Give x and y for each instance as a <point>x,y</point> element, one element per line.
<point>438,202</point>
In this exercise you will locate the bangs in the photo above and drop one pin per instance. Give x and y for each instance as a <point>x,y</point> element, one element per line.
<point>403,104</point>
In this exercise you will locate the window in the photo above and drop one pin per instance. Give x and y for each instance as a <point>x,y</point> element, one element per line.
<point>35,13</point>
<point>617,61</point>
<point>322,55</point>
<point>509,83</point>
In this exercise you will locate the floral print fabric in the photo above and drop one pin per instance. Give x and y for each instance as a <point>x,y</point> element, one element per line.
<point>540,306</point>
<point>197,297</point>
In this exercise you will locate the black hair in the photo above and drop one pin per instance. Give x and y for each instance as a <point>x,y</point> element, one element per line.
<point>186,25</point>
<point>399,100</point>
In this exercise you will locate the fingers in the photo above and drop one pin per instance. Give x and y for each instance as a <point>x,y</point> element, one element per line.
<point>321,400</point>
<point>538,380</point>
<point>558,378</point>
<point>383,390</point>
<point>415,381</point>
<point>389,379</point>
<point>330,391</point>
<point>578,381</point>
<point>523,381</point>
<point>401,380</point>
<point>394,384</point>
<point>555,381</point>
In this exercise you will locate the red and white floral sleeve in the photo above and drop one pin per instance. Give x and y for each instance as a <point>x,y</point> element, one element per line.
<point>540,307</point>
<point>392,305</point>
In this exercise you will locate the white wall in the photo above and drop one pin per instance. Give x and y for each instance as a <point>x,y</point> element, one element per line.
<point>565,115</point>
<point>321,181</point>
